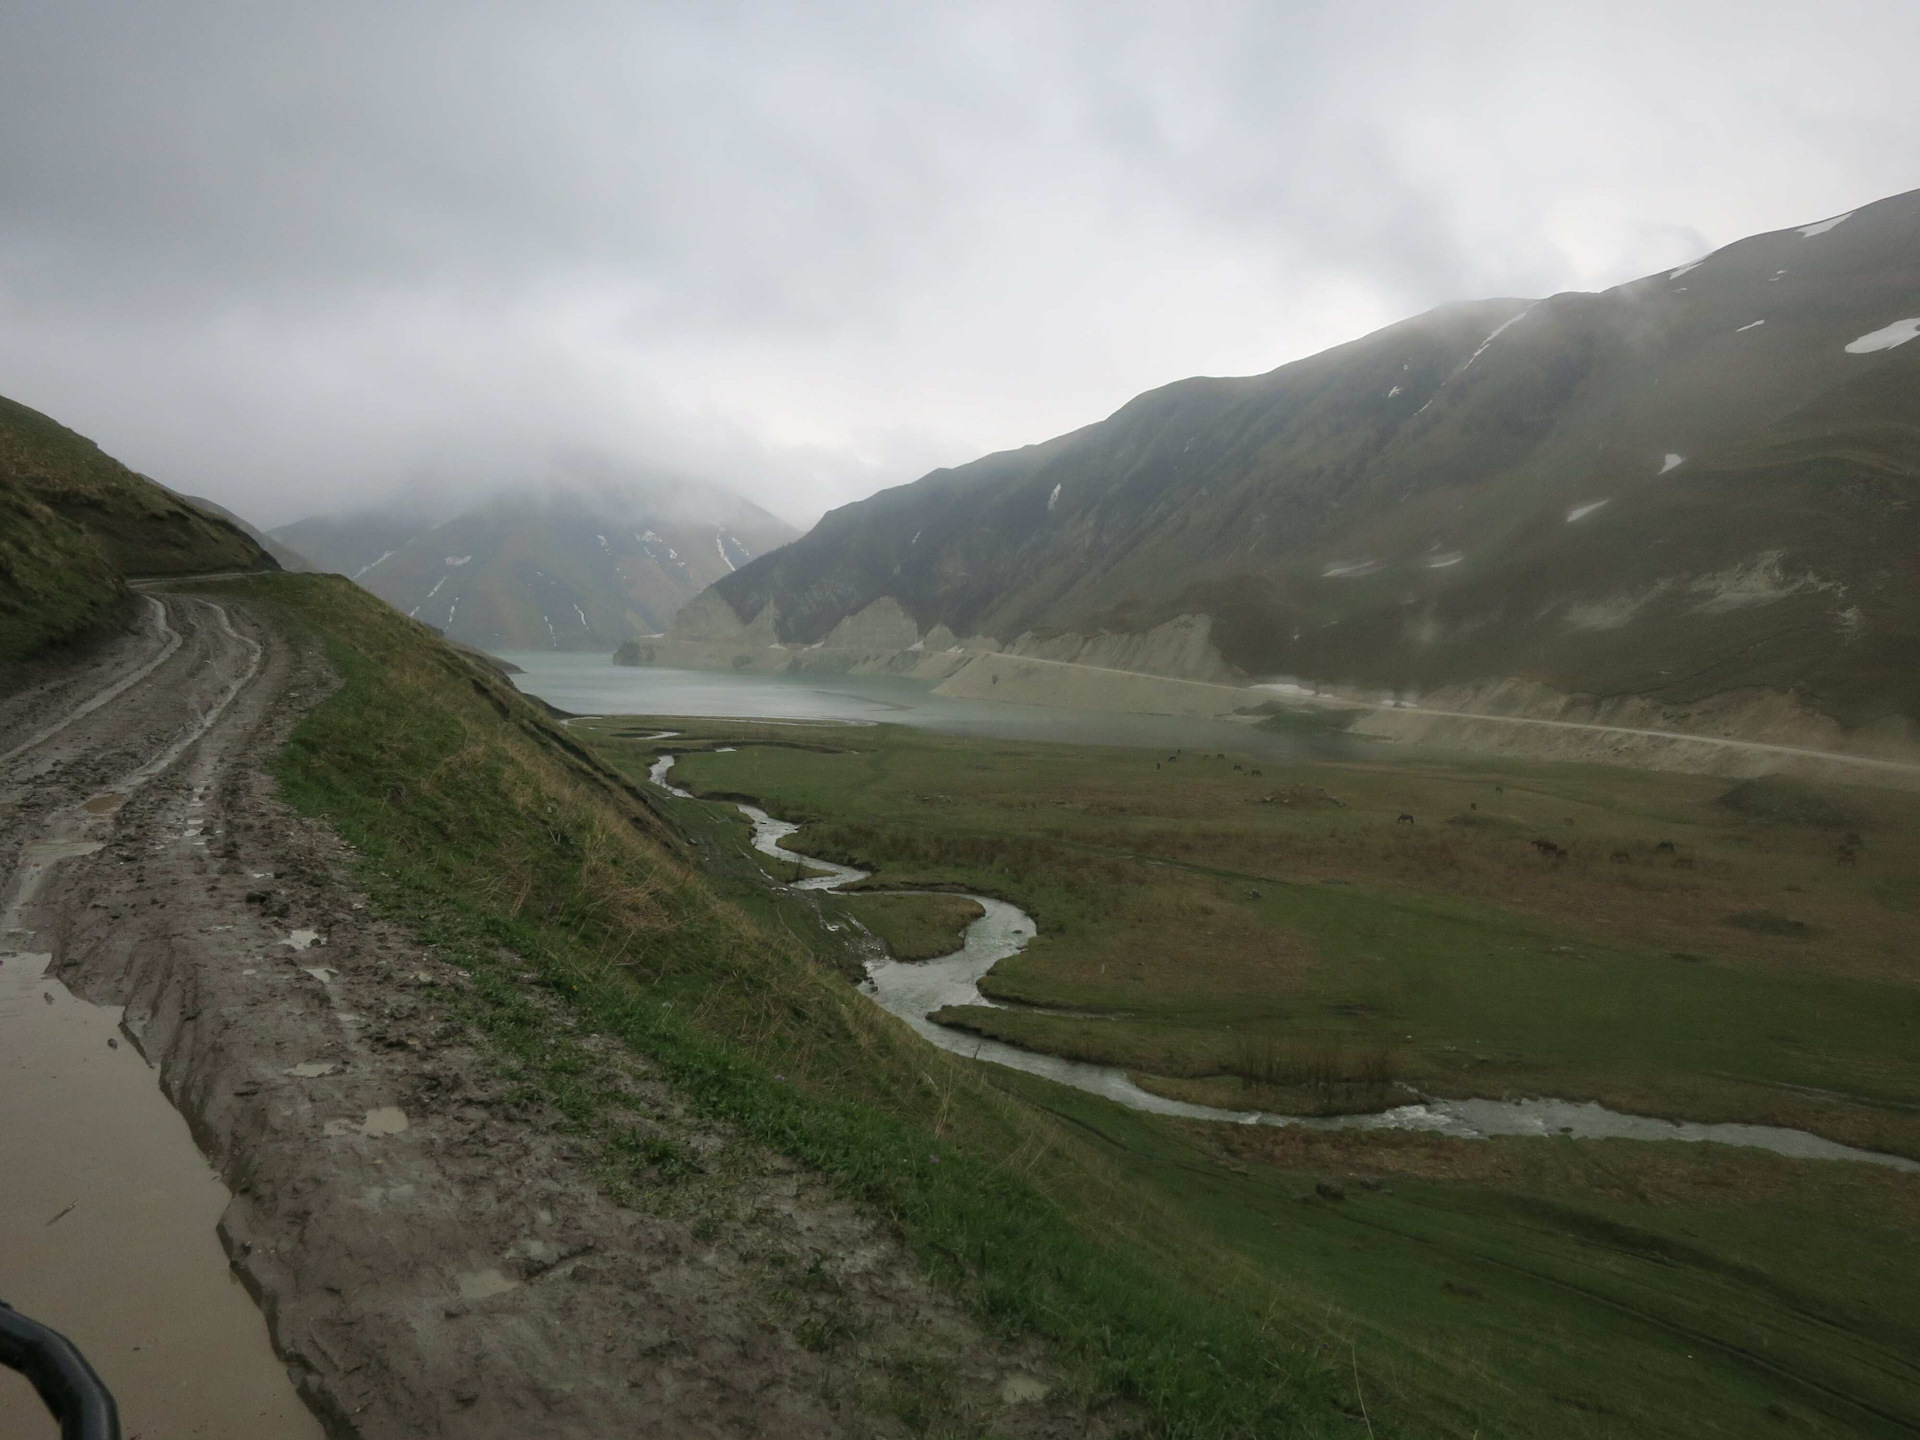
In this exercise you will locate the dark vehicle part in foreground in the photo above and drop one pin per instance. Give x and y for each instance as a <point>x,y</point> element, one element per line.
<point>66,1382</point>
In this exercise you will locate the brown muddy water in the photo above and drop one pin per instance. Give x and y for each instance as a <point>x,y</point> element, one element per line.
<point>108,1212</point>
<point>107,1232</point>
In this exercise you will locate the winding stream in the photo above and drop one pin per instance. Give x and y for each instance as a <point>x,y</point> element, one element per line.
<point>913,990</point>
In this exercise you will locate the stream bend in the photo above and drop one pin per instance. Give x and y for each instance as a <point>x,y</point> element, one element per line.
<point>911,990</point>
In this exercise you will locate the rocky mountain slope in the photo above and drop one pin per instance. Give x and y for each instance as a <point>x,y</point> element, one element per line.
<point>1700,481</point>
<point>573,568</point>
<point>74,522</point>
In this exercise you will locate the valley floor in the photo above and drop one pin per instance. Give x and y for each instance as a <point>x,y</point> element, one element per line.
<point>1319,938</point>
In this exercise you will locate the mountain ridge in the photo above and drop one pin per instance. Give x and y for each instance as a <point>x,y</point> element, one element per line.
<point>567,567</point>
<point>1693,482</point>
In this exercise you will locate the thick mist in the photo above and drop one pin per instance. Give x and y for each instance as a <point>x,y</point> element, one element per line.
<point>311,259</point>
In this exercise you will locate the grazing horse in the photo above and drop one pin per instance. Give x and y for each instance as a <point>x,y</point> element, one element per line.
<point>1547,847</point>
<point>1849,855</point>
<point>1665,847</point>
<point>1404,820</point>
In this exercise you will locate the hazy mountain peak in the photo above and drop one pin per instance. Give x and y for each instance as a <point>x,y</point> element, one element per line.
<point>576,561</point>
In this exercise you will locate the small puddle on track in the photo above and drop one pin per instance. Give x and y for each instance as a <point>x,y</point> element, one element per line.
<point>912,990</point>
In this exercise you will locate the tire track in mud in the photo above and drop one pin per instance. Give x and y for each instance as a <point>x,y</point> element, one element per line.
<point>170,639</point>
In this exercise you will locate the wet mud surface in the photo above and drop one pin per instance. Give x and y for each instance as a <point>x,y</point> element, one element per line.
<point>428,1255</point>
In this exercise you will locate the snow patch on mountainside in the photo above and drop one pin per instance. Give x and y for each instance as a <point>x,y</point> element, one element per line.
<point>1349,569</point>
<point>1821,227</point>
<point>1672,462</point>
<point>1498,331</point>
<point>1580,512</point>
<point>1885,338</point>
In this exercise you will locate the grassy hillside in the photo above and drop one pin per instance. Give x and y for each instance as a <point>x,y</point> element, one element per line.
<point>54,583</point>
<point>1688,484</point>
<point>285,556</point>
<point>74,522</point>
<point>139,527</point>
<point>530,864</point>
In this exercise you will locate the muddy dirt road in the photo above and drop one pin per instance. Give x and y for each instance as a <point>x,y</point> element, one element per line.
<point>427,1258</point>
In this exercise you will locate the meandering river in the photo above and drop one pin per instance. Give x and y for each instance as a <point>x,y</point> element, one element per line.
<point>913,990</point>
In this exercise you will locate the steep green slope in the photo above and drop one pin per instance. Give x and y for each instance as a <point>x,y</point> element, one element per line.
<point>54,583</point>
<point>140,527</point>
<point>522,858</point>
<point>285,556</point>
<point>1698,481</point>
<point>74,521</point>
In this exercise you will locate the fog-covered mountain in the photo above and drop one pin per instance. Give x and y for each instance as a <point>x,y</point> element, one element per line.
<point>1702,480</point>
<point>573,567</point>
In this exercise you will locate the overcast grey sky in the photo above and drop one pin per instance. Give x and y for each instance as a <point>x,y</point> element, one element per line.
<point>295,257</point>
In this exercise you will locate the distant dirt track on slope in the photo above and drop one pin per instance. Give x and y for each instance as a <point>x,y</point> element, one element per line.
<point>1752,746</point>
<point>166,640</point>
<point>432,1255</point>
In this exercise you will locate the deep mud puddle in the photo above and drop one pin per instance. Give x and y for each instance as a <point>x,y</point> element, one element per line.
<point>913,990</point>
<point>107,1228</point>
